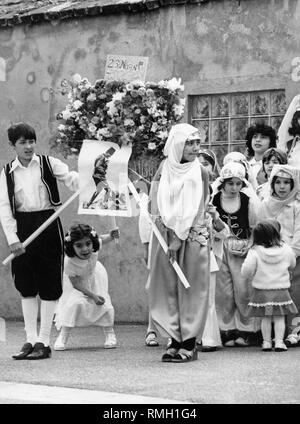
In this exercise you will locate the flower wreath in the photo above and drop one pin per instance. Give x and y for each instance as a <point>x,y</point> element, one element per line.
<point>134,113</point>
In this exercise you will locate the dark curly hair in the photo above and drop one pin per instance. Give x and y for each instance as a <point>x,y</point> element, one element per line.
<point>295,127</point>
<point>259,128</point>
<point>78,232</point>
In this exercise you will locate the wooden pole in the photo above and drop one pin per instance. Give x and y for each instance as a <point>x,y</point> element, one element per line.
<point>39,230</point>
<point>159,237</point>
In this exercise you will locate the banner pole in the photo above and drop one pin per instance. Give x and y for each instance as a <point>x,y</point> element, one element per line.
<point>159,237</point>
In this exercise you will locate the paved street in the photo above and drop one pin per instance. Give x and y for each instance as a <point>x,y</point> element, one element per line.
<point>134,373</point>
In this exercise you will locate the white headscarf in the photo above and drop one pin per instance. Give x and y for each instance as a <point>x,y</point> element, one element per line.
<point>180,187</point>
<point>283,131</point>
<point>271,206</point>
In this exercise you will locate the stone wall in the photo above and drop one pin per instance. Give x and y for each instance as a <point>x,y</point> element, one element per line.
<point>216,47</point>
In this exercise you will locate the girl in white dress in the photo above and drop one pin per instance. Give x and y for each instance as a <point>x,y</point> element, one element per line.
<point>85,300</point>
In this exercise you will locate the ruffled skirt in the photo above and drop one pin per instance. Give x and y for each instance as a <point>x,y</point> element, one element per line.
<point>276,302</point>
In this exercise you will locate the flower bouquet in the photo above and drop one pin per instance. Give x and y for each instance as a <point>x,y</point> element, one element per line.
<point>135,113</point>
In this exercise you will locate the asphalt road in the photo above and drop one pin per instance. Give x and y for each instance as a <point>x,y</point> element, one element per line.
<point>228,376</point>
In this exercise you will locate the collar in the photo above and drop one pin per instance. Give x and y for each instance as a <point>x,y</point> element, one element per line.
<point>253,161</point>
<point>16,163</point>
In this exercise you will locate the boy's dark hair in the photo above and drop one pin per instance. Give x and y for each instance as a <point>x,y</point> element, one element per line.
<point>278,153</point>
<point>20,129</point>
<point>222,185</point>
<point>260,128</point>
<point>295,127</point>
<point>274,179</point>
<point>78,232</point>
<point>267,233</point>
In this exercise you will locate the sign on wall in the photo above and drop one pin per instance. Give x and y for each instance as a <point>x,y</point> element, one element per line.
<point>125,68</point>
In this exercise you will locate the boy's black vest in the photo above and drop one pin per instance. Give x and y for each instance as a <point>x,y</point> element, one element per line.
<point>48,179</point>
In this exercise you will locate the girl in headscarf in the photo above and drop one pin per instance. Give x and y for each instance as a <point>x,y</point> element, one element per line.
<point>283,204</point>
<point>270,158</point>
<point>179,195</point>
<point>239,212</point>
<point>208,159</point>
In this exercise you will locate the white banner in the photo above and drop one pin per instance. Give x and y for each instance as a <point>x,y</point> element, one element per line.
<point>109,197</point>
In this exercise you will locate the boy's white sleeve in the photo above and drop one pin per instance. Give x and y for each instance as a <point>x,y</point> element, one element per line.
<point>8,222</point>
<point>62,173</point>
<point>250,264</point>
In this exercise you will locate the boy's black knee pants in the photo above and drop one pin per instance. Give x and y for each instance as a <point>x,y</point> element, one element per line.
<point>39,270</point>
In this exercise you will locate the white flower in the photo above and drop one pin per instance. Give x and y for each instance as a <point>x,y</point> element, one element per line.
<point>154,127</point>
<point>112,110</point>
<point>128,122</point>
<point>174,84</point>
<point>162,135</point>
<point>61,127</point>
<point>76,78</point>
<point>99,135</point>
<point>66,114</point>
<point>77,104</point>
<point>118,96</point>
<point>151,146</point>
<point>91,97</point>
<point>103,132</point>
<point>92,128</point>
<point>68,238</point>
<point>179,109</point>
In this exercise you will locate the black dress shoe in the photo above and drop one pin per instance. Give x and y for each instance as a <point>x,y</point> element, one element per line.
<point>24,352</point>
<point>40,351</point>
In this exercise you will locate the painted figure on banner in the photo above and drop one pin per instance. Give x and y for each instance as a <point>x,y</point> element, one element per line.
<point>104,192</point>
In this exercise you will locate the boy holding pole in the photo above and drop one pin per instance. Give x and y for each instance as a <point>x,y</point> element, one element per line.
<point>28,197</point>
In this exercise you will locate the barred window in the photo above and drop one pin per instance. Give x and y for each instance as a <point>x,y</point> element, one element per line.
<point>225,118</point>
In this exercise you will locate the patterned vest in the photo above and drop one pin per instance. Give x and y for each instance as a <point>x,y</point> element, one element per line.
<point>238,222</point>
<point>47,177</point>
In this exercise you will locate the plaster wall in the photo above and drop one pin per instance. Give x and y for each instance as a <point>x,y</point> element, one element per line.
<point>221,46</point>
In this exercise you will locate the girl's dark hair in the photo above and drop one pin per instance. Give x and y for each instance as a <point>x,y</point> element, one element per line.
<point>222,185</point>
<point>267,233</point>
<point>274,179</point>
<point>78,232</point>
<point>295,127</point>
<point>20,129</point>
<point>278,153</point>
<point>259,128</point>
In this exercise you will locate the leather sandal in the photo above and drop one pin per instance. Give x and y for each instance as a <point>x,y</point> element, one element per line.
<point>169,355</point>
<point>151,339</point>
<point>184,355</point>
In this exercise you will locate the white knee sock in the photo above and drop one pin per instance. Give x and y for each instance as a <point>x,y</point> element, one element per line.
<point>30,313</point>
<point>279,327</point>
<point>266,328</point>
<point>47,313</point>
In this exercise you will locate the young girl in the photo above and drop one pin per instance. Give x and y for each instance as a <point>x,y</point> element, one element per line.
<point>283,204</point>
<point>268,264</point>
<point>85,300</point>
<point>270,158</point>
<point>179,196</point>
<point>208,159</point>
<point>259,138</point>
<point>239,212</point>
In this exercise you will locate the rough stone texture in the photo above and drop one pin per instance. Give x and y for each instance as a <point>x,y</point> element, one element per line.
<point>221,46</point>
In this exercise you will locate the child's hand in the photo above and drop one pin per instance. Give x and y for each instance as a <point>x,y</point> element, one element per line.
<point>115,233</point>
<point>17,248</point>
<point>212,210</point>
<point>99,300</point>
